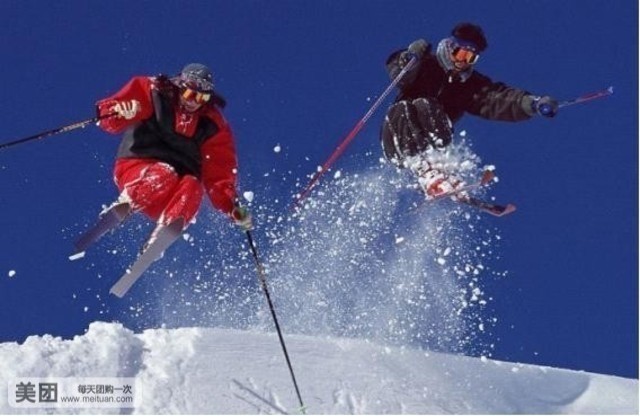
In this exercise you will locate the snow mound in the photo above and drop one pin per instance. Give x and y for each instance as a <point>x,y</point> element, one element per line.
<point>223,371</point>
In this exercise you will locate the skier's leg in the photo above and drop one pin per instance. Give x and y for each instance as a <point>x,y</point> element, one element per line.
<point>390,136</point>
<point>402,135</point>
<point>146,184</point>
<point>129,173</point>
<point>173,200</point>
<point>184,203</point>
<point>181,207</point>
<point>435,128</point>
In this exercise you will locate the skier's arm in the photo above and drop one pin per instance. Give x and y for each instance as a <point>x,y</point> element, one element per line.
<point>400,58</point>
<point>138,90</point>
<point>219,169</point>
<point>498,101</point>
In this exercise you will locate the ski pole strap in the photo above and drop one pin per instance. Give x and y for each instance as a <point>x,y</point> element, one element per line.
<point>352,134</point>
<point>63,129</point>
<point>587,97</point>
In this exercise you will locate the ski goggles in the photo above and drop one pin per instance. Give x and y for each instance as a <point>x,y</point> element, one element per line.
<point>198,97</point>
<point>461,54</point>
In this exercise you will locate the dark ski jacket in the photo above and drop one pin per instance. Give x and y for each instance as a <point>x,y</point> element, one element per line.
<point>478,95</point>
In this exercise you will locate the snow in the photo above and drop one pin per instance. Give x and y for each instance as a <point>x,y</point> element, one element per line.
<point>248,195</point>
<point>357,255</point>
<point>374,290</point>
<point>277,149</point>
<point>77,256</point>
<point>224,371</point>
<point>11,273</point>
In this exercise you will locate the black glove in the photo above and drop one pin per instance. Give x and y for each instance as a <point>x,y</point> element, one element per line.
<point>545,106</point>
<point>417,49</point>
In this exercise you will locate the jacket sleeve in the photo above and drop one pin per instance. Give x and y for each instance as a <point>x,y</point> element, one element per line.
<point>219,167</point>
<point>393,67</point>
<point>139,89</point>
<point>497,101</point>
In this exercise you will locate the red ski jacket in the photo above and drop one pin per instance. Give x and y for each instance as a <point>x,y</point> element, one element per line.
<point>199,144</point>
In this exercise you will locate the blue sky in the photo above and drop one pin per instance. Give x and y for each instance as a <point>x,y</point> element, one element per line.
<point>300,74</point>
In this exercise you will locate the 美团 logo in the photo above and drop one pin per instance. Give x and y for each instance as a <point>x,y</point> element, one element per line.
<point>46,392</point>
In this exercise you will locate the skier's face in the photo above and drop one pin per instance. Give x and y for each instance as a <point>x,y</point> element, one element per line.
<point>191,100</point>
<point>463,57</point>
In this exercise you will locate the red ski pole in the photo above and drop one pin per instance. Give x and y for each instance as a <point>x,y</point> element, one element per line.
<point>587,97</point>
<point>352,134</point>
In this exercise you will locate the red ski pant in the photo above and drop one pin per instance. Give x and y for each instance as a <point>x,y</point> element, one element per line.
<point>155,188</point>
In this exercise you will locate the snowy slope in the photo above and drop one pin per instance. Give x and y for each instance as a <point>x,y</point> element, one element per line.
<point>199,370</point>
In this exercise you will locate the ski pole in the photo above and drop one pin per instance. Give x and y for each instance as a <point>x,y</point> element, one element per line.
<point>587,97</point>
<point>356,129</point>
<point>63,129</point>
<point>263,283</point>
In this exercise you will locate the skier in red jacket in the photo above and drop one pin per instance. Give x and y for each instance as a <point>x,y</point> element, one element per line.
<point>176,146</point>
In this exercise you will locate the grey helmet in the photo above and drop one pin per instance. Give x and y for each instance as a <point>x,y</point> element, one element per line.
<point>197,77</point>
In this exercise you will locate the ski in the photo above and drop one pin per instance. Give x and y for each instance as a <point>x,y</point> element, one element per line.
<point>109,219</point>
<point>161,238</point>
<point>487,176</point>
<point>488,207</point>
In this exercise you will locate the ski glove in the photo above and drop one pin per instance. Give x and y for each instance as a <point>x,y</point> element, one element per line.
<point>545,106</point>
<point>417,48</point>
<point>242,218</point>
<point>126,109</point>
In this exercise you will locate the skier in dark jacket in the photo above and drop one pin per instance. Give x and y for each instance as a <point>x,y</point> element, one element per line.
<point>435,92</point>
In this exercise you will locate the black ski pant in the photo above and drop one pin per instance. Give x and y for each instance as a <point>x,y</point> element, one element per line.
<point>411,127</point>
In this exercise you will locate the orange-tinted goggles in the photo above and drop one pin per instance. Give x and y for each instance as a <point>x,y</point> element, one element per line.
<point>192,95</point>
<point>468,56</point>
